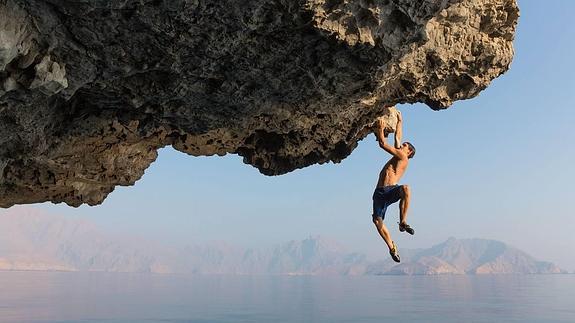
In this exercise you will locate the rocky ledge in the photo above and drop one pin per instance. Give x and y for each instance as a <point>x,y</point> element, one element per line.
<point>89,90</point>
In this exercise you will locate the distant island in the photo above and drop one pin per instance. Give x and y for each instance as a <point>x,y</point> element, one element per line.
<point>30,240</point>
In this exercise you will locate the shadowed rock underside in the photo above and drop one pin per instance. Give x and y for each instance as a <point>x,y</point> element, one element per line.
<point>90,90</point>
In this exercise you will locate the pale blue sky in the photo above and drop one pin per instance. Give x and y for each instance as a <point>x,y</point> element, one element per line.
<point>498,166</point>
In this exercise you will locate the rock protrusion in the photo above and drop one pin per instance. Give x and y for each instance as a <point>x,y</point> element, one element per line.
<point>89,90</point>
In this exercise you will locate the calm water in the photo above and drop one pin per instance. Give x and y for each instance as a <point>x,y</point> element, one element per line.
<point>98,297</point>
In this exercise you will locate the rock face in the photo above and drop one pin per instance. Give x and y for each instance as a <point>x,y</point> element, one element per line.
<point>89,90</point>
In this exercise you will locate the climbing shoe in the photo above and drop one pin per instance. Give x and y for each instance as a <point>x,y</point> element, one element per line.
<point>393,252</point>
<point>407,228</point>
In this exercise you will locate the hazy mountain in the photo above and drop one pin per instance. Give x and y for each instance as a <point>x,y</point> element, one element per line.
<point>466,256</point>
<point>315,255</point>
<point>32,240</point>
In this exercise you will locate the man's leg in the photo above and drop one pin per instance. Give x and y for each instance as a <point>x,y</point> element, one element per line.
<point>404,204</point>
<point>386,237</point>
<point>382,229</point>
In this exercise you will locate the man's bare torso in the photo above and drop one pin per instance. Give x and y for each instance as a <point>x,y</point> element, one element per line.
<point>392,172</point>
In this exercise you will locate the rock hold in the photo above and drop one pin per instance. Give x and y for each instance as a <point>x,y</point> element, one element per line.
<point>91,89</point>
<point>50,77</point>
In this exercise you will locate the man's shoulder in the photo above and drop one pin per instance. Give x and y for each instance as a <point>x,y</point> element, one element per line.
<point>400,158</point>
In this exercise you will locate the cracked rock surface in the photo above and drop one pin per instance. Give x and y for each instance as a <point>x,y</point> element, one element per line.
<point>89,90</point>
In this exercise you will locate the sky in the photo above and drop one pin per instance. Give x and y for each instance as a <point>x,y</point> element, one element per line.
<point>499,166</point>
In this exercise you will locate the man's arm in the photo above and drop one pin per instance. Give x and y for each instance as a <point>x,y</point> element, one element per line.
<point>382,139</point>
<point>398,130</point>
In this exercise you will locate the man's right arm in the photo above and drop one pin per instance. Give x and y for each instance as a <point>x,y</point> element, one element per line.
<point>382,139</point>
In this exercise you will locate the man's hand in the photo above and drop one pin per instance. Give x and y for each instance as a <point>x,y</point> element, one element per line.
<point>380,127</point>
<point>380,133</point>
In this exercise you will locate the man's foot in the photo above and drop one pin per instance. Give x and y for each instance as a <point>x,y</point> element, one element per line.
<point>393,252</point>
<point>406,227</point>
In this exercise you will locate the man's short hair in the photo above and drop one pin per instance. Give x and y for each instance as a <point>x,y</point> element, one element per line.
<point>412,150</point>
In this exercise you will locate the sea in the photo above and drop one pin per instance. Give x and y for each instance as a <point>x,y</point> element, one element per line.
<point>121,297</point>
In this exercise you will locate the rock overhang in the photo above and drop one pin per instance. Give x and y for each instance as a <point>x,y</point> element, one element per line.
<point>92,89</point>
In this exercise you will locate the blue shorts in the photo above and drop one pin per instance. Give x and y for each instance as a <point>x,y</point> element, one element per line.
<point>384,197</point>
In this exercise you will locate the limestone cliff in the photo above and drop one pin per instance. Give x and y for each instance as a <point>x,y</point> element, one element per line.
<point>89,90</point>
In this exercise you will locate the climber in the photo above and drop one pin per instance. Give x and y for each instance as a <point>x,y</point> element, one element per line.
<point>388,191</point>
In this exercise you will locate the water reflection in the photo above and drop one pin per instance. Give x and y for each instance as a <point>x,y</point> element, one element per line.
<point>103,297</point>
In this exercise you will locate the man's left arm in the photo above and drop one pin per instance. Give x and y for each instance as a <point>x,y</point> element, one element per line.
<point>398,130</point>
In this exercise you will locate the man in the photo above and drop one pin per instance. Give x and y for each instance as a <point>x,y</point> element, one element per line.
<point>388,191</point>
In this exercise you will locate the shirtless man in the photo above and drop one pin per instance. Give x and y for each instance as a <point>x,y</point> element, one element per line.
<point>388,191</point>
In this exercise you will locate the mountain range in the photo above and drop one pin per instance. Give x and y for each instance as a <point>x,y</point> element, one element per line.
<point>33,240</point>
